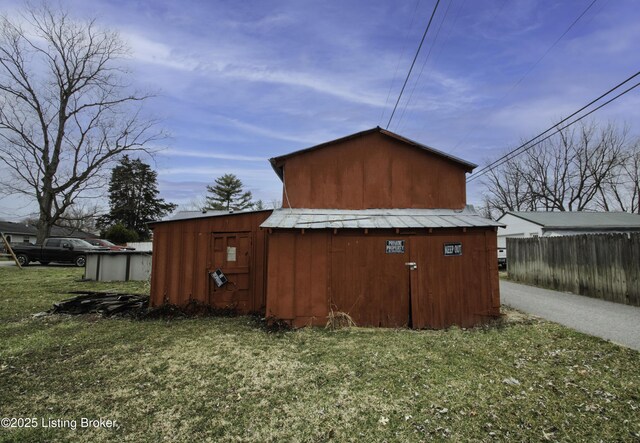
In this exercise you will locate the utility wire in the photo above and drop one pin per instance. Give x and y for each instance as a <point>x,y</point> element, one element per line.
<point>435,40</point>
<point>531,68</point>
<point>404,47</point>
<point>523,147</point>
<point>435,8</point>
<point>474,50</point>
<point>556,132</point>
<point>436,58</point>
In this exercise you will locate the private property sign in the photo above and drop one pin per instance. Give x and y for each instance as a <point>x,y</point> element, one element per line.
<point>395,247</point>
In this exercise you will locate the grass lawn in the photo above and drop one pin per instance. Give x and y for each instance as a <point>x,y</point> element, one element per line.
<point>226,379</point>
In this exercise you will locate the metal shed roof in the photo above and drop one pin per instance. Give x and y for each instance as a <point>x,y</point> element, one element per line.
<point>298,218</point>
<point>191,215</point>
<point>581,220</point>
<point>183,215</point>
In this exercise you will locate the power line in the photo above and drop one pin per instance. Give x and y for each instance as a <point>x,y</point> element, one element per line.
<point>523,147</point>
<point>435,8</point>
<point>404,47</point>
<point>435,40</point>
<point>529,70</point>
<point>436,58</point>
<point>472,51</point>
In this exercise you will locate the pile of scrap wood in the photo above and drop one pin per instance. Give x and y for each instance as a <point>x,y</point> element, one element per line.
<point>103,303</point>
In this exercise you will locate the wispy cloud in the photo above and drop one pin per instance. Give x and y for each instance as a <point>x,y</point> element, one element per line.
<point>171,152</point>
<point>262,174</point>
<point>319,82</point>
<point>147,50</point>
<point>238,63</point>
<point>262,131</point>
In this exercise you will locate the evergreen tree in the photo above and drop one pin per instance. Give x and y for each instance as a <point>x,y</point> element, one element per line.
<point>228,194</point>
<point>133,197</point>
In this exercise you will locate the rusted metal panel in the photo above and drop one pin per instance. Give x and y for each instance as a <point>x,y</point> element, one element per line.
<point>182,258</point>
<point>373,171</point>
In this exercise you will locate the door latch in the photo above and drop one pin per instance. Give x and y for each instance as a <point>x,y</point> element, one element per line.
<point>412,265</point>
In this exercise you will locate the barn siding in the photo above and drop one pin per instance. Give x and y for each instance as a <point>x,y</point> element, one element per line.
<point>182,259</point>
<point>457,290</point>
<point>297,289</point>
<point>317,272</point>
<point>373,171</point>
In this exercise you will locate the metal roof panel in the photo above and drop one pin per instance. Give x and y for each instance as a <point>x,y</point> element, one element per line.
<point>300,218</point>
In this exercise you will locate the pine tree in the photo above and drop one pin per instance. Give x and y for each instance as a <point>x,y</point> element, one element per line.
<point>228,194</point>
<point>133,200</point>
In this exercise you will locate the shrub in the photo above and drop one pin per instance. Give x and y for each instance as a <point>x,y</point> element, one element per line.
<point>119,234</point>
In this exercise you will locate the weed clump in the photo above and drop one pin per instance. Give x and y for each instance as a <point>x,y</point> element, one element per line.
<point>339,320</point>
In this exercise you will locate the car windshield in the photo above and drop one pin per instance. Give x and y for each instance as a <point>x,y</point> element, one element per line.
<point>80,243</point>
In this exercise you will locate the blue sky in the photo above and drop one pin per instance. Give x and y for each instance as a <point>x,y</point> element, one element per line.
<point>241,81</point>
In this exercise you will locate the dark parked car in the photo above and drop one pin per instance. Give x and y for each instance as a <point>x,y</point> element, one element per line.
<point>107,244</point>
<point>59,250</point>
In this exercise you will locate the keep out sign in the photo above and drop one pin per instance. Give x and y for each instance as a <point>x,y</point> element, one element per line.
<point>453,249</point>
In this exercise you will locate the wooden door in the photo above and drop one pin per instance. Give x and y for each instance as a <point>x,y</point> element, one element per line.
<point>441,286</point>
<point>369,282</point>
<point>231,253</point>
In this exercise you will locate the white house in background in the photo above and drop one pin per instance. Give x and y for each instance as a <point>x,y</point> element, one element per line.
<point>553,224</point>
<point>17,232</point>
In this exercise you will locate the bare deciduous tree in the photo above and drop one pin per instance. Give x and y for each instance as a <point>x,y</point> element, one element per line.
<point>621,191</point>
<point>81,217</point>
<point>582,168</point>
<point>66,112</point>
<point>507,189</point>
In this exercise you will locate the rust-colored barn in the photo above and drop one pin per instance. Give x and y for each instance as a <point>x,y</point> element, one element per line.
<point>373,225</point>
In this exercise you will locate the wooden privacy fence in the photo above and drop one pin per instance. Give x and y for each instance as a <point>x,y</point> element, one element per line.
<point>605,266</point>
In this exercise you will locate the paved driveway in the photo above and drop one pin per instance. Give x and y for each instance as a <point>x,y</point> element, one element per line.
<point>611,321</point>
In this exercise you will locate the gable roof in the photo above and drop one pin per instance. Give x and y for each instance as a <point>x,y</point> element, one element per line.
<point>580,220</point>
<point>276,162</point>
<point>16,228</point>
<point>56,231</point>
<point>62,231</point>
